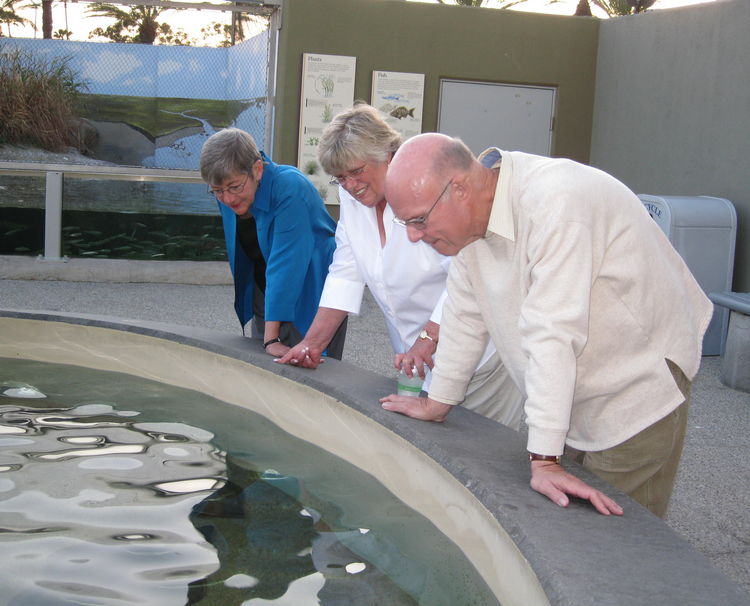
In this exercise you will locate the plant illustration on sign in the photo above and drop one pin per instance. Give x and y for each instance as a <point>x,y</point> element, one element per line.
<point>327,115</point>
<point>324,85</point>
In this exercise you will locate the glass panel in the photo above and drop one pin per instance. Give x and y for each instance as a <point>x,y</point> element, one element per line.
<point>118,235</point>
<point>111,219</point>
<point>21,215</point>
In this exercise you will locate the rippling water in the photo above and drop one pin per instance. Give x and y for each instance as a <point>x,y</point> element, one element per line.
<point>116,490</point>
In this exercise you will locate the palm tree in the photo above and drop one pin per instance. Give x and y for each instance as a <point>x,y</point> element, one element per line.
<point>141,19</point>
<point>47,19</point>
<point>9,16</point>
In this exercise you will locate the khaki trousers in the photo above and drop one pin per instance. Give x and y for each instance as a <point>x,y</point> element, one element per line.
<point>644,467</point>
<point>493,394</point>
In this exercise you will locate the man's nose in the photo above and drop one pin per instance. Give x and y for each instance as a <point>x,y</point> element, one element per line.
<point>415,235</point>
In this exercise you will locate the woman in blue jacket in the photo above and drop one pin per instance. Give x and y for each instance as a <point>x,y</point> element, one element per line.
<point>275,220</point>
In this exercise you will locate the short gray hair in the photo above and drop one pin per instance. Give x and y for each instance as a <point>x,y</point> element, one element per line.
<point>229,152</point>
<point>453,155</point>
<point>358,134</point>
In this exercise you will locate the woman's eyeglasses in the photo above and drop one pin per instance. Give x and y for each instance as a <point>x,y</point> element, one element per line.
<point>351,175</point>
<point>234,189</point>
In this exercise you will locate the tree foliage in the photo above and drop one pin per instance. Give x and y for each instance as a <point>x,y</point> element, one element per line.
<point>233,35</point>
<point>178,37</point>
<point>138,24</point>
<point>9,15</point>
<point>62,34</point>
<point>464,2</point>
<point>477,3</point>
<point>612,8</point>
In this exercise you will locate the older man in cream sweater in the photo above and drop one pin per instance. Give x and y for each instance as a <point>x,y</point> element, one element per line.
<point>595,315</point>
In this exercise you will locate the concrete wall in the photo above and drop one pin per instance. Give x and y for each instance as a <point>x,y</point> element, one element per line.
<point>672,109</point>
<point>441,41</point>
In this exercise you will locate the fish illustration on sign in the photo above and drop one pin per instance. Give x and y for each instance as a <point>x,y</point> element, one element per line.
<point>393,97</point>
<point>388,108</point>
<point>401,112</point>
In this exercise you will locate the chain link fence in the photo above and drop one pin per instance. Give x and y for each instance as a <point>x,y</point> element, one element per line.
<point>141,105</point>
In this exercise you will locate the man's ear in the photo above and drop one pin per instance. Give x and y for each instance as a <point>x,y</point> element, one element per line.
<point>461,189</point>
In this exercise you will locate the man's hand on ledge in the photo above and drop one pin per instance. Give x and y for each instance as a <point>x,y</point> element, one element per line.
<point>551,480</point>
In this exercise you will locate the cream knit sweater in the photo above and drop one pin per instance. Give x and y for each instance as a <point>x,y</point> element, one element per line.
<point>584,298</point>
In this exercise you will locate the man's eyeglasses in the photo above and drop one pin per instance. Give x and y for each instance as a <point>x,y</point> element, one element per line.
<point>353,174</point>
<point>418,222</point>
<point>234,189</point>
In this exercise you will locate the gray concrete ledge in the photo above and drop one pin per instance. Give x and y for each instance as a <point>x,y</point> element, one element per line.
<point>578,556</point>
<point>209,273</point>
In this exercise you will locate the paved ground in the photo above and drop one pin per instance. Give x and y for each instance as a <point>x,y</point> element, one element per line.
<point>709,506</point>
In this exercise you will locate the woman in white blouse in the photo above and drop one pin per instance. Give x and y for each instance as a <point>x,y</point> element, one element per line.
<point>407,279</point>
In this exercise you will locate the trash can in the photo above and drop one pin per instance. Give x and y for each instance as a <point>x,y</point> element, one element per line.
<point>703,230</point>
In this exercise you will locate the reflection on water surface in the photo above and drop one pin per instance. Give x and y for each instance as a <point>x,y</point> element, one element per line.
<point>120,490</point>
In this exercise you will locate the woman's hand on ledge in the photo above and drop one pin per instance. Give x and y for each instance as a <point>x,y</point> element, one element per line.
<point>276,350</point>
<point>423,409</point>
<point>302,355</point>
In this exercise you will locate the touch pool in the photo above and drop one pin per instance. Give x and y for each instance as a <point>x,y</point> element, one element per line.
<point>468,476</point>
<point>116,489</point>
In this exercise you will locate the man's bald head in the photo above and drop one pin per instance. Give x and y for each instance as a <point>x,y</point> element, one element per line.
<point>421,162</point>
<point>427,165</point>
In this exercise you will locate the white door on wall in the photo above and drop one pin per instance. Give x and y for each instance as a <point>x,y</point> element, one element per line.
<point>513,118</point>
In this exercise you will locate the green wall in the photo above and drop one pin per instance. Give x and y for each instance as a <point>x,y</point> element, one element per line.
<point>442,41</point>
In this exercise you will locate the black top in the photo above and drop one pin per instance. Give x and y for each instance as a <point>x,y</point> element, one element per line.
<point>247,235</point>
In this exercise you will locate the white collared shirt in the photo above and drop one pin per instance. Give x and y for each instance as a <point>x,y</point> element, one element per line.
<point>407,279</point>
<point>501,216</point>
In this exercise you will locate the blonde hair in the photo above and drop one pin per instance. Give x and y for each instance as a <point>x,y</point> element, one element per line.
<point>358,134</point>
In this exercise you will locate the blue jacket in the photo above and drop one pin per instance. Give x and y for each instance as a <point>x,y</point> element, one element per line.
<point>296,237</point>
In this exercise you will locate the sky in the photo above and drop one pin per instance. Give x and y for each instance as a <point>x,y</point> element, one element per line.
<point>80,24</point>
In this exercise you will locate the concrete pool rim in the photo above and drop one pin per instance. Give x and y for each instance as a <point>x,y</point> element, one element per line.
<point>577,555</point>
